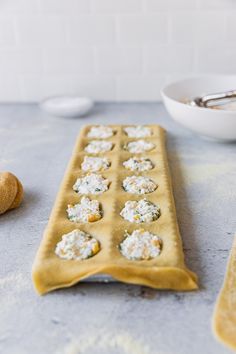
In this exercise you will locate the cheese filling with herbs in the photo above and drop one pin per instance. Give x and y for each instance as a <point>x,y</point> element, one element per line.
<point>94,164</point>
<point>140,211</point>
<point>141,245</point>
<point>138,131</point>
<point>139,146</point>
<point>139,185</point>
<point>85,211</point>
<point>100,132</point>
<point>77,245</point>
<point>91,184</point>
<point>139,164</point>
<point>97,146</point>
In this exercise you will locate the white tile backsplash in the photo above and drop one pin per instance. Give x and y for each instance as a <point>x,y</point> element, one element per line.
<point>183,28</point>
<point>91,30</point>
<point>159,59</point>
<point>7,33</point>
<point>71,62</point>
<point>143,29</point>
<point>9,87</point>
<point>140,88</point>
<point>109,49</point>
<point>231,27</point>
<point>116,6</point>
<point>170,5</point>
<point>211,60</point>
<point>34,88</point>
<point>216,4</point>
<point>19,7</point>
<point>41,31</point>
<point>119,61</point>
<point>210,27</point>
<point>21,61</point>
<point>98,87</point>
<point>68,7</point>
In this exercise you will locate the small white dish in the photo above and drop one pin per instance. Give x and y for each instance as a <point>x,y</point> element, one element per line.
<point>211,123</point>
<point>67,106</point>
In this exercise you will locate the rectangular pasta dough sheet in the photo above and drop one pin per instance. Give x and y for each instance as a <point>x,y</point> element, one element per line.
<point>166,271</point>
<point>224,318</point>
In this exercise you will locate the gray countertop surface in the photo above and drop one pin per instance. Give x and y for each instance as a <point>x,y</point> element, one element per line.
<point>111,318</point>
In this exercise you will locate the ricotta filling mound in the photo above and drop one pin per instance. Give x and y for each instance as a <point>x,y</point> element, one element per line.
<point>140,211</point>
<point>91,184</point>
<point>77,245</point>
<point>139,185</point>
<point>94,164</point>
<point>138,131</point>
<point>96,146</point>
<point>100,132</point>
<point>141,245</point>
<point>139,146</point>
<point>85,211</point>
<point>139,164</point>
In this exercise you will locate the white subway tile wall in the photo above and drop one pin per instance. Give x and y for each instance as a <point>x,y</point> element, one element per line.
<point>111,50</point>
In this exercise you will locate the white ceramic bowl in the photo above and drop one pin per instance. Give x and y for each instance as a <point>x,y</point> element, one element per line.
<point>211,123</point>
<point>67,106</point>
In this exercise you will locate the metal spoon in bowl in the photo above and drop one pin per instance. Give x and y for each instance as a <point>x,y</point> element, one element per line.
<point>214,99</point>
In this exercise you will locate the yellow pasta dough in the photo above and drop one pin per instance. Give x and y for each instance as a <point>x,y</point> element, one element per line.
<point>11,192</point>
<point>224,319</point>
<point>166,271</point>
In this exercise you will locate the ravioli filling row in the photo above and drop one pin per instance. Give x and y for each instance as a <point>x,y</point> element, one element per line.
<point>134,211</point>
